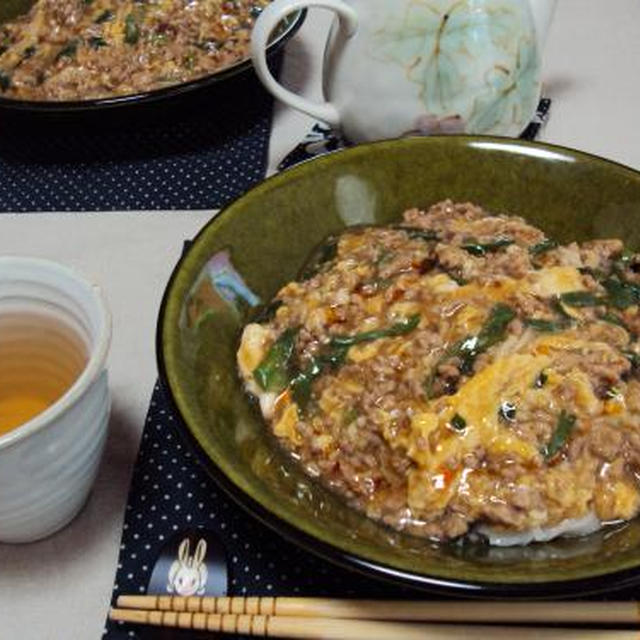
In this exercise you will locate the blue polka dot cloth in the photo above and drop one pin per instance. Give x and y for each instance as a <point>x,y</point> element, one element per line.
<point>172,499</point>
<point>199,154</point>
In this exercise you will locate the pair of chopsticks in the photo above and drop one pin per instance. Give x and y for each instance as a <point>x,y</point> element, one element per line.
<point>332,619</point>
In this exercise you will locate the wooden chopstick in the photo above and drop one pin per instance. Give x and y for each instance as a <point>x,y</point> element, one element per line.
<point>603,613</point>
<point>341,629</point>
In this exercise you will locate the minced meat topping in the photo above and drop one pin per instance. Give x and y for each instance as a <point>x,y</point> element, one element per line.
<point>86,49</point>
<point>456,369</point>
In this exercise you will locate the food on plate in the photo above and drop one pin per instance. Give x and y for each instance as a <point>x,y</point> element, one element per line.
<point>459,373</point>
<point>85,49</point>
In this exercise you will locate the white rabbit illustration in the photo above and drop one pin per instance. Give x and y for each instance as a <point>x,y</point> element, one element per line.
<point>188,575</point>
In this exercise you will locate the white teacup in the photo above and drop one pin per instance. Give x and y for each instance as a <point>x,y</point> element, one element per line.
<point>48,463</point>
<point>401,67</point>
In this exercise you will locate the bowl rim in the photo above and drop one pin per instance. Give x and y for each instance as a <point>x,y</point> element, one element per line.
<point>97,354</point>
<point>587,585</point>
<point>144,97</point>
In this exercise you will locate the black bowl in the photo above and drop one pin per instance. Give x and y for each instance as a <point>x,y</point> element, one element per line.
<point>194,89</point>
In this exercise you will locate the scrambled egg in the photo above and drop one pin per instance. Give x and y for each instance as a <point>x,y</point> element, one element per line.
<point>442,381</point>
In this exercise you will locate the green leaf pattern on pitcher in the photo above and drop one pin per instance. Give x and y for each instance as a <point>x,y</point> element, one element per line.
<point>475,64</point>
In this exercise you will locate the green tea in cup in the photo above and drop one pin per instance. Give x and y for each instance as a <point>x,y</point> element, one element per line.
<point>41,356</point>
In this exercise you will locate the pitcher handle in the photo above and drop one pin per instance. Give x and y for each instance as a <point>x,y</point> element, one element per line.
<point>267,22</point>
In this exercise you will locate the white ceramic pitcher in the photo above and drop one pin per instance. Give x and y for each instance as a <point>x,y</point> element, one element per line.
<point>401,67</point>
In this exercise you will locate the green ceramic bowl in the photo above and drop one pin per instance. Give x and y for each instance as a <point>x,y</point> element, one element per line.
<point>259,242</point>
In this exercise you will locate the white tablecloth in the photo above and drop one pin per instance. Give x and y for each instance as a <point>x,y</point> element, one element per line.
<point>60,588</point>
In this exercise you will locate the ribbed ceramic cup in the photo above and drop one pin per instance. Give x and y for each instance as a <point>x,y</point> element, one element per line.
<point>49,463</point>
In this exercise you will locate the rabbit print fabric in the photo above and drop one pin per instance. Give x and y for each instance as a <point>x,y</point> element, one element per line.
<point>188,574</point>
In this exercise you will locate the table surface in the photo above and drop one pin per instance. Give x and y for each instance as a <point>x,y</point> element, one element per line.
<point>61,587</point>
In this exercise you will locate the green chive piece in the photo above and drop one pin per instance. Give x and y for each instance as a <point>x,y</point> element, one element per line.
<point>320,257</point>
<point>621,294</point>
<point>301,383</point>
<point>491,333</point>
<point>68,51</point>
<point>626,256</point>
<point>105,16</point>
<point>95,42</point>
<point>131,30</point>
<point>5,80</point>
<point>633,358</point>
<point>477,249</point>
<point>456,277</point>
<point>613,318</point>
<point>469,348</point>
<point>458,422</point>
<point>495,327</point>
<point>542,247</point>
<point>558,307</point>
<point>404,326</point>
<point>335,355</point>
<point>596,274</point>
<point>416,233</point>
<point>581,299</point>
<point>612,393</point>
<point>546,326</point>
<point>273,373</point>
<point>564,427</point>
